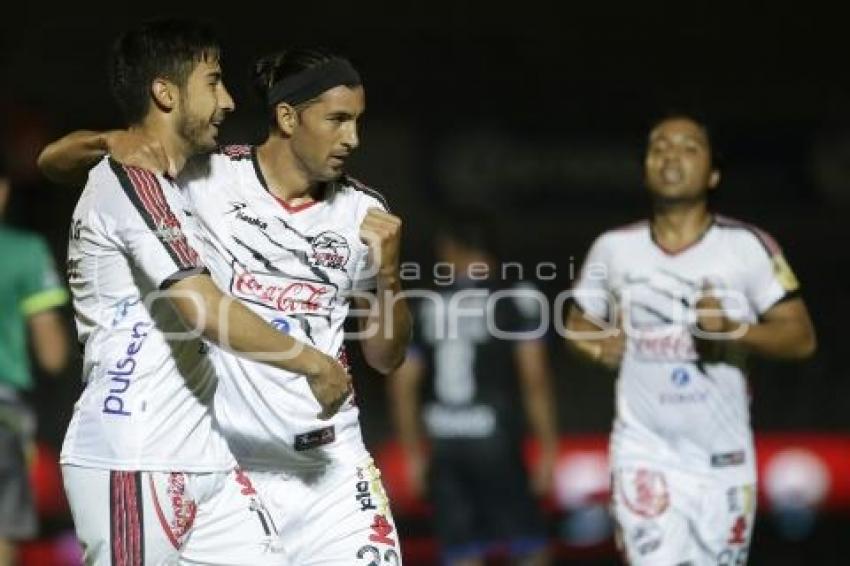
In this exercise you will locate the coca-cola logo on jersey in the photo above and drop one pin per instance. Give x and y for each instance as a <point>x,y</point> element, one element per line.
<point>330,250</point>
<point>283,294</point>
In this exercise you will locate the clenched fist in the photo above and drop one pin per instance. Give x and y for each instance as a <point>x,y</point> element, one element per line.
<point>381,231</point>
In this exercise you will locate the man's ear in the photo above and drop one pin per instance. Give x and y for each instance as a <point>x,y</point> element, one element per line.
<point>165,94</point>
<point>714,179</point>
<point>287,118</point>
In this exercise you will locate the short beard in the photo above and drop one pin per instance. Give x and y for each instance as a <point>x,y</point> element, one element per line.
<point>192,130</point>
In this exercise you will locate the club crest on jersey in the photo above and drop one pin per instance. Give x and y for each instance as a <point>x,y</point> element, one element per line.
<point>239,208</point>
<point>330,250</point>
<point>283,294</point>
<point>169,231</point>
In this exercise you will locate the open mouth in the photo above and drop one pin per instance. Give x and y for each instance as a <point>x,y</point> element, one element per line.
<point>672,175</point>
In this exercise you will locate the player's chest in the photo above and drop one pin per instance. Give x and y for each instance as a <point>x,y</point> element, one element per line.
<point>647,267</point>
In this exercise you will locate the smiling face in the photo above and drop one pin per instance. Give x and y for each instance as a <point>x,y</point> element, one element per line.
<point>325,133</point>
<point>204,102</point>
<point>678,166</point>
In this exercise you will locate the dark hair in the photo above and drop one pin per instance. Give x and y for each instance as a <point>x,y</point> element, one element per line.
<point>274,67</point>
<point>163,48</point>
<point>4,171</point>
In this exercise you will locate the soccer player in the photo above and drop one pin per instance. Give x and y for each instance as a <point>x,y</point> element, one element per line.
<point>470,390</point>
<point>149,476</point>
<point>30,295</point>
<point>676,304</point>
<point>297,241</point>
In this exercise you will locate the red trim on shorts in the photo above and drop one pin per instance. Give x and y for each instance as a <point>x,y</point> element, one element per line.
<point>125,507</point>
<point>161,516</point>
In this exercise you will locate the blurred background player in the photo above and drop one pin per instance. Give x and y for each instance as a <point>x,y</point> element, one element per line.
<point>467,395</point>
<point>30,294</point>
<point>683,299</point>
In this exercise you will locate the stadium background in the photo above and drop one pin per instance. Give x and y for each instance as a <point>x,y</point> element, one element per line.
<point>536,114</point>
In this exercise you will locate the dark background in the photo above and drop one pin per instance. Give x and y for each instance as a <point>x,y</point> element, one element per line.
<point>535,112</point>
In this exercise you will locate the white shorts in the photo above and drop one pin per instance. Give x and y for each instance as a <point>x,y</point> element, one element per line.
<point>669,518</point>
<point>338,517</point>
<point>138,518</point>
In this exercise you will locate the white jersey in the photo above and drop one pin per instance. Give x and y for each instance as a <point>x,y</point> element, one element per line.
<point>293,266</point>
<point>147,401</point>
<point>672,406</point>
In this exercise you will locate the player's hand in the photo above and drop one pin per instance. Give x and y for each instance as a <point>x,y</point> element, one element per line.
<point>381,231</point>
<point>417,473</point>
<point>134,148</point>
<point>609,351</point>
<point>331,386</point>
<point>709,311</point>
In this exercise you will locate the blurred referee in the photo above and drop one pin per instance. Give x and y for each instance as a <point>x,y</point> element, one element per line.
<point>30,292</point>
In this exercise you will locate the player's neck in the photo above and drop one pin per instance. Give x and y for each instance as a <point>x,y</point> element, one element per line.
<point>158,127</point>
<point>677,227</point>
<point>284,178</point>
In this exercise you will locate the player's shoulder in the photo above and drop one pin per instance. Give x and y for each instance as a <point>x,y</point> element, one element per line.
<point>234,152</point>
<point>747,234</point>
<point>624,232</point>
<point>350,188</point>
<point>226,158</point>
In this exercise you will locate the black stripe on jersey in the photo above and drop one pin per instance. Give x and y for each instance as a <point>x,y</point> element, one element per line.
<point>657,314</point>
<point>143,190</point>
<point>363,188</point>
<point>795,294</point>
<point>680,279</point>
<point>300,255</point>
<point>178,276</point>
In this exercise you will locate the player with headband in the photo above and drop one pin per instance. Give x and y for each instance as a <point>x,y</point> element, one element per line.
<point>298,242</point>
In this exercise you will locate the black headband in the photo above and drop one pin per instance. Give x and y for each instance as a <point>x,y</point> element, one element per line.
<point>310,83</point>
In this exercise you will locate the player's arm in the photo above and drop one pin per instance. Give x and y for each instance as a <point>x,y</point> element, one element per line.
<point>43,295</point>
<point>388,321</point>
<point>49,340</point>
<point>539,401</point>
<point>405,405</point>
<point>231,325</point>
<point>592,341</point>
<point>67,160</point>
<point>785,331</point>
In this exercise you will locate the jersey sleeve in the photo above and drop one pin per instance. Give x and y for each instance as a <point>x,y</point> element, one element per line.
<point>591,290</point>
<point>148,228</point>
<point>41,287</point>
<point>769,278</point>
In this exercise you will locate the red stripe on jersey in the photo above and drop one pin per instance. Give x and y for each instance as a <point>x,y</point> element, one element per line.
<point>150,194</point>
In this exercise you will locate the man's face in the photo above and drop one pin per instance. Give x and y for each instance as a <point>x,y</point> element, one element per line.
<point>678,161</point>
<point>326,132</point>
<point>204,102</point>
